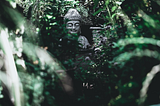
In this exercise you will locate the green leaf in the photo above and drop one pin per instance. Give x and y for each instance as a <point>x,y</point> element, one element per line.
<point>107,2</point>
<point>114,8</point>
<point>119,3</point>
<point>115,45</point>
<point>98,11</point>
<point>103,16</point>
<point>49,16</point>
<point>113,15</point>
<point>55,23</point>
<point>120,14</point>
<point>95,3</point>
<point>107,17</point>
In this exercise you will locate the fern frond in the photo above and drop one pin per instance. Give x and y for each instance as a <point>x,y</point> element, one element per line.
<point>124,57</point>
<point>136,40</point>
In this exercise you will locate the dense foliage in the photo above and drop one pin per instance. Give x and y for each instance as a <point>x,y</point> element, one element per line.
<point>117,67</point>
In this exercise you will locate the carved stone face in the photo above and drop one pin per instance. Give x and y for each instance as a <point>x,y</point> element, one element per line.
<point>73,27</point>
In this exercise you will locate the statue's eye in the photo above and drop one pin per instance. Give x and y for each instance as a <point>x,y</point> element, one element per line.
<point>69,25</point>
<point>77,24</point>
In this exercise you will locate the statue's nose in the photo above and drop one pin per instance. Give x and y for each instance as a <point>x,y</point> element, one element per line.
<point>73,27</point>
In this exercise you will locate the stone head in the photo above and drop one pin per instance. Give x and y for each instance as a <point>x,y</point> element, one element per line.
<point>73,21</point>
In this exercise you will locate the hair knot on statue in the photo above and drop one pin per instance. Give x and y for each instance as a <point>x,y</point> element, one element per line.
<point>72,14</point>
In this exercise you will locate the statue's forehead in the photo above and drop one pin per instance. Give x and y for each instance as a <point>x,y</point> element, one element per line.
<point>73,21</point>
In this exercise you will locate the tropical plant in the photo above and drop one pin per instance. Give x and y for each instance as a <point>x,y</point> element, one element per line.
<point>118,73</point>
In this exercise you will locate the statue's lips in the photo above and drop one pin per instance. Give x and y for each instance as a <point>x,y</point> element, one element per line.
<point>73,31</point>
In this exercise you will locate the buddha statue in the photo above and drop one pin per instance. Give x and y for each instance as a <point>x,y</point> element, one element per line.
<point>73,25</point>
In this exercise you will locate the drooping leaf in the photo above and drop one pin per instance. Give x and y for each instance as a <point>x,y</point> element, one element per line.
<point>114,8</point>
